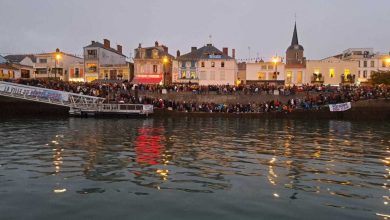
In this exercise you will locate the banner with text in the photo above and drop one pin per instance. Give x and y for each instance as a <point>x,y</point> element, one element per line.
<point>340,107</point>
<point>34,92</point>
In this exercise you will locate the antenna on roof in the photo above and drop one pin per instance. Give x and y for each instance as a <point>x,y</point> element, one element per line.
<point>210,37</point>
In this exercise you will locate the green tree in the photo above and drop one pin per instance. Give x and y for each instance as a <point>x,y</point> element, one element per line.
<point>380,77</point>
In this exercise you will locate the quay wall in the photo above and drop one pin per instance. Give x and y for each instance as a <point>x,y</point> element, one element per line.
<point>362,110</point>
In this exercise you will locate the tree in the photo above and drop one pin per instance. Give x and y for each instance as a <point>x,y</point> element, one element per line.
<point>380,77</point>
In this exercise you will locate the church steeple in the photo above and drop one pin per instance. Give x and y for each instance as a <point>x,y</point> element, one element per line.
<point>294,53</point>
<point>294,40</point>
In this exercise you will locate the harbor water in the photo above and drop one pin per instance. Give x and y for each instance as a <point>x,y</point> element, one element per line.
<point>193,168</point>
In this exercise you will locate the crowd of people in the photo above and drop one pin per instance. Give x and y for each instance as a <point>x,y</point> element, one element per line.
<point>312,97</point>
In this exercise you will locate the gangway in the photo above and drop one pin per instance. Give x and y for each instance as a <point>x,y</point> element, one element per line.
<point>80,105</point>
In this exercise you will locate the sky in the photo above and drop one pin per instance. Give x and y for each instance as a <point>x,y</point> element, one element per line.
<point>255,28</point>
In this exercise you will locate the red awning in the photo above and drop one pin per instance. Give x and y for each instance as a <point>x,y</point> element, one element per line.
<point>147,80</point>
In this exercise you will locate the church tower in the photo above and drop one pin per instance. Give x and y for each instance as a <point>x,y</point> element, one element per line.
<point>294,53</point>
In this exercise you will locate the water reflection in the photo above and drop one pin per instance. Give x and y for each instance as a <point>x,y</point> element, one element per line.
<point>335,164</point>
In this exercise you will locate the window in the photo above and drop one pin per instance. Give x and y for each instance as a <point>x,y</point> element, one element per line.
<point>372,63</point>
<point>154,68</point>
<point>263,67</point>
<point>213,64</point>
<point>359,63</point>
<point>193,75</point>
<point>212,75</point>
<point>92,52</point>
<point>155,54</point>
<point>76,73</point>
<point>261,75</point>
<point>365,63</point>
<point>372,72</point>
<point>202,64</point>
<point>270,67</point>
<point>42,60</point>
<point>192,64</point>
<point>359,73</point>
<point>183,64</point>
<point>183,74</point>
<point>92,67</point>
<point>317,71</point>
<point>365,74</point>
<point>331,73</point>
<point>222,64</point>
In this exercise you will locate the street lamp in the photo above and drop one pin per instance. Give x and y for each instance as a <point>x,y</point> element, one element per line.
<point>57,58</point>
<point>275,61</point>
<point>165,61</point>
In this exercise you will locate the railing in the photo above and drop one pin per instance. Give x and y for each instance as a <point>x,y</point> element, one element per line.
<point>317,79</point>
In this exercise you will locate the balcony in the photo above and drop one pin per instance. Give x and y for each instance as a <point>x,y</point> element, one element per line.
<point>317,78</point>
<point>349,79</point>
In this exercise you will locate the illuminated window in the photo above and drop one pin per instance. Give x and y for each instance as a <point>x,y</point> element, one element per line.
<point>383,63</point>
<point>261,75</point>
<point>331,73</point>
<point>316,71</point>
<point>183,74</point>
<point>92,67</point>
<point>222,64</point>
<point>76,73</point>
<point>193,75</point>
<point>288,77</point>
<point>347,72</point>
<point>212,64</point>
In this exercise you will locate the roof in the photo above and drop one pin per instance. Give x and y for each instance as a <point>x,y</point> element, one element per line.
<point>149,50</point>
<point>100,45</point>
<point>204,53</point>
<point>51,53</point>
<point>294,42</point>
<point>17,58</point>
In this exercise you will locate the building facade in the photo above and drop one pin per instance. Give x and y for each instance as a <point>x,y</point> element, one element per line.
<point>331,71</point>
<point>54,64</point>
<point>206,66</point>
<point>152,65</point>
<point>24,64</point>
<point>265,73</point>
<point>103,62</point>
<point>368,62</point>
<point>7,71</point>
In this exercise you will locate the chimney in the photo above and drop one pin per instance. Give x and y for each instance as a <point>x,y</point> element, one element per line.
<point>178,53</point>
<point>106,43</point>
<point>119,48</point>
<point>93,42</point>
<point>193,49</point>
<point>139,45</point>
<point>234,53</point>
<point>225,51</point>
<point>156,44</point>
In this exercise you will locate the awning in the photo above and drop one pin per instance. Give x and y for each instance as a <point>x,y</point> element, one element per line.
<point>147,80</point>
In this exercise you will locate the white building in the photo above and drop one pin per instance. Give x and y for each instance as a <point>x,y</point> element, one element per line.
<point>368,62</point>
<point>97,55</point>
<point>24,63</point>
<point>265,72</point>
<point>54,64</point>
<point>331,71</point>
<point>206,66</point>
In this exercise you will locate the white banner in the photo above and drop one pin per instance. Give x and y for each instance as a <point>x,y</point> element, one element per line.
<point>34,92</point>
<point>340,107</point>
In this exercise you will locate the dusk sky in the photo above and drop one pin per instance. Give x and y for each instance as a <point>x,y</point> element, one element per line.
<point>325,27</point>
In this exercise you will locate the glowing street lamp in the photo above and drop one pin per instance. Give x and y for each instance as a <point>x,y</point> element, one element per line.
<point>165,61</point>
<point>57,58</point>
<point>275,60</point>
